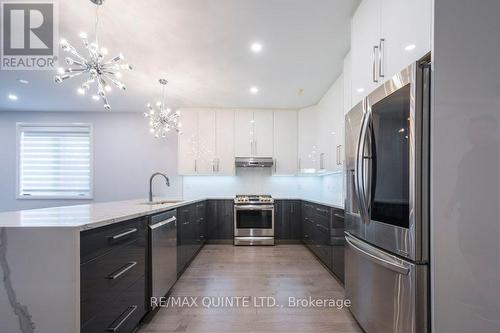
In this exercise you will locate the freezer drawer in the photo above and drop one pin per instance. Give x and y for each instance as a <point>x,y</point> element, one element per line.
<point>388,294</point>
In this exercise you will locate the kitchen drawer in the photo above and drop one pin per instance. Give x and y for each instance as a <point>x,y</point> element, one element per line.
<point>122,314</point>
<point>96,242</point>
<point>308,209</point>
<point>338,219</point>
<point>324,254</point>
<point>106,277</point>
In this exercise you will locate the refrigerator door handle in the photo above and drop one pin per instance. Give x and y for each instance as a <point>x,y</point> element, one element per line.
<point>360,169</point>
<point>376,256</point>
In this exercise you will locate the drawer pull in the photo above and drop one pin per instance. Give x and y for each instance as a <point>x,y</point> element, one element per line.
<point>322,227</point>
<point>125,315</point>
<point>123,234</point>
<point>122,270</point>
<point>326,211</point>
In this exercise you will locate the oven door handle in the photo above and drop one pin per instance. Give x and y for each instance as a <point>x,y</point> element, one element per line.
<point>254,207</point>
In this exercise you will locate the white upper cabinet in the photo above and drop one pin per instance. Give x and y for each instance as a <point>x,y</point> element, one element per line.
<point>330,128</point>
<point>254,133</point>
<point>188,143</point>
<point>347,73</point>
<point>206,146</point>
<point>224,143</point>
<point>243,133</point>
<point>263,133</point>
<point>406,30</point>
<point>285,143</point>
<point>308,152</point>
<point>205,163</point>
<point>365,39</point>
<point>387,36</point>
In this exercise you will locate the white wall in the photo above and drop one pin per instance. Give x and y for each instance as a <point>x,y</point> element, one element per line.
<point>125,155</point>
<point>465,167</point>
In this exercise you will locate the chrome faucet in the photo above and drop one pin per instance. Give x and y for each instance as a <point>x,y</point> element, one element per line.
<point>151,183</point>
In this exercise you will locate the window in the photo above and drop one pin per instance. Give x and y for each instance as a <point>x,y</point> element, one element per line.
<point>54,161</point>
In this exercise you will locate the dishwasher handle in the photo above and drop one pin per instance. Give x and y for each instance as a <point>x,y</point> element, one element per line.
<point>162,223</point>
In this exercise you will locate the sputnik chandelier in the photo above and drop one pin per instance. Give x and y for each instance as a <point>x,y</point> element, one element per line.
<point>100,72</point>
<point>165,119</point>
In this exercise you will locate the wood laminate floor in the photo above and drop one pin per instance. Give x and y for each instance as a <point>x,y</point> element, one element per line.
<point>280,272</point>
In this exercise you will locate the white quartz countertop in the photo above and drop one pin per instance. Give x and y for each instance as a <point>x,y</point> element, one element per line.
<point>87,216</point>
<point>94,215</point>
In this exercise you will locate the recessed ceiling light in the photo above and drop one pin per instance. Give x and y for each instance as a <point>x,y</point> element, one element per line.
<point>12,97</point>
<point>410,47</point>
<point>254,90</point>
<point>360,90</point>
<point>23,81</point>
<point>256,47</point>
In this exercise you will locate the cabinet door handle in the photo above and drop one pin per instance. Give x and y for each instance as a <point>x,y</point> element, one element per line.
<point>374,65</point>
<point>300,163</point>
<point>213,165</point>
<point>195,165</point>
<point>125,315</point>
<point>121,271</point>
<point>123,234</point>
<point>275,165</point>
<point>322,161</point>
<point>381,57</point>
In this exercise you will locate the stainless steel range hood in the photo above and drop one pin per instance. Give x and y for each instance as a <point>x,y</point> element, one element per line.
<point>254,162</point>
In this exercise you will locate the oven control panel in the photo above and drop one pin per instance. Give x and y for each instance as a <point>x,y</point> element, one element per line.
<point>253,199</point>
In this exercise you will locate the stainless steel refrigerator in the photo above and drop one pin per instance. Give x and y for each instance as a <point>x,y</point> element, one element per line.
<point>387,204</point>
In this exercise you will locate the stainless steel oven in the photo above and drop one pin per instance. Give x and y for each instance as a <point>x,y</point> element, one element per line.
<point>386,207</point>
<point>253,220</point>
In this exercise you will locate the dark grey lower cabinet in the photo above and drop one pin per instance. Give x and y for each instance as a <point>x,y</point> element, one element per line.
<point>338,242</point>
<point>113,277</point>
<point>287,219</point>
<point>220,220</point>
<point>323,233</point>
<point>191,233</point>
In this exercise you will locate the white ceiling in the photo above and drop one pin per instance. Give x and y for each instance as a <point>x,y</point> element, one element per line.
<point>202,47</point>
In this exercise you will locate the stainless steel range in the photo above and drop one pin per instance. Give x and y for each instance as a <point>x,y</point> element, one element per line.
<point>253,220</point>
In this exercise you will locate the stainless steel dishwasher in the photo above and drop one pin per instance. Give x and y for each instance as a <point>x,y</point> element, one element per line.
<point>163,255</point>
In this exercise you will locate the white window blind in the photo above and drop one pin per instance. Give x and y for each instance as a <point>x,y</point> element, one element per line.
<point>55,161</point>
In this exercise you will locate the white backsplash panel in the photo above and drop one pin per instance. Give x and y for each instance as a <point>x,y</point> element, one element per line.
<point>260,181</point>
